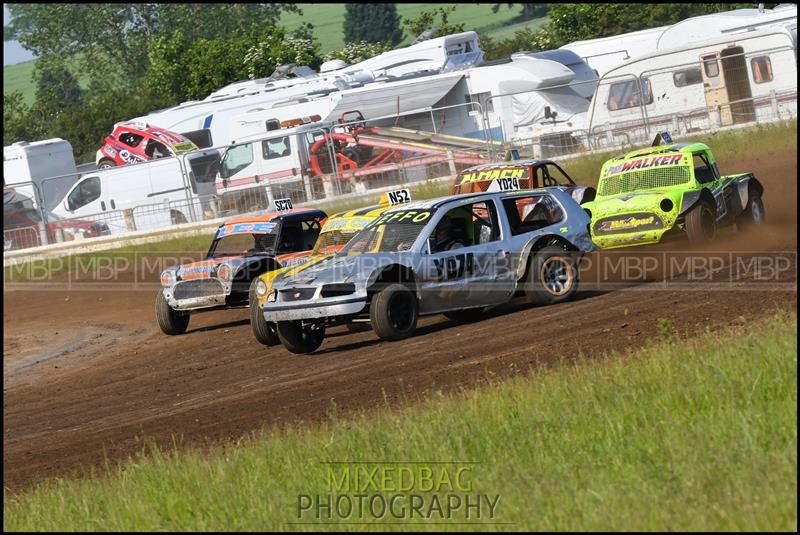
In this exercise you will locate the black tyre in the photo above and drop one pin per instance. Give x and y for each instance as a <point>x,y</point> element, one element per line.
<point>300,338</point>
<point>552,276</point>
<point>106,163</point>
<point>393,312</point>
<point>264,331</point>
<point>170,321</point>
<point>465,316</point>
<point>753,214</point>
<point>701,226</point>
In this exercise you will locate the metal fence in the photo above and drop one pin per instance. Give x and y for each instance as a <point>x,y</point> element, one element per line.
<point>322,162</point>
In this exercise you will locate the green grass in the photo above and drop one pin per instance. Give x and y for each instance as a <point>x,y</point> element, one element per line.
<point>699,434</point>
<point>328,20</point>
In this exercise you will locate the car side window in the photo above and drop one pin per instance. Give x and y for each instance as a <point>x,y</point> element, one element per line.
<point>86,192</point>
<point>465,226</point>
<point>130,139</point>
<point>276,148</point>
<point>558,177</point>
<point>533,212</point>
<point>236,158</point>
<point>702,171</point>
<point>156,149</point>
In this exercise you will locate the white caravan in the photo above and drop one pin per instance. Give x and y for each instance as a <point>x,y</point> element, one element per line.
<point>30,168</point>
<point>727,80</point>
<point>605,53</point>
<point>210,118</point>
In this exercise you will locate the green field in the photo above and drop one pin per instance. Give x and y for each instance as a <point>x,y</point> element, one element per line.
<point>328,20</point>
<point>698,434</point>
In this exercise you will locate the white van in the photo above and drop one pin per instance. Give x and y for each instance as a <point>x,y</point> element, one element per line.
<point>42,170</point>
<point>152,195</point>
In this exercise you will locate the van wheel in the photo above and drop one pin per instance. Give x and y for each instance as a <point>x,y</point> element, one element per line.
<point>753,214</point>
<point>552,276</point>
<point>393,312</point>
<point>701,223</point>
<point>299,337</point>
<point>263,330</point>
<point>465,316</point>
<point>106,163</point>
<point>170,321</point>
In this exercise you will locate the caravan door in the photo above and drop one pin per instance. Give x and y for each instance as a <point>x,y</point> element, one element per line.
<point>727,85</point>
<point>714,86</point>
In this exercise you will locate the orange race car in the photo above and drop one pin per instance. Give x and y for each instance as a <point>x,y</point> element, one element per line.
<point>243,249</point>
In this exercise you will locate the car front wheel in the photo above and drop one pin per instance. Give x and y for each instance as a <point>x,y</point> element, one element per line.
<point>299,337</point>
<point>264,331</point>
<point>393,312</point>
<point>170,321</point>
<point>701,226</point>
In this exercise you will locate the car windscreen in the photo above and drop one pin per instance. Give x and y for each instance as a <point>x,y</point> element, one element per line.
<point>392,232</point>
<point>337,232</point>
<point>244,239</point>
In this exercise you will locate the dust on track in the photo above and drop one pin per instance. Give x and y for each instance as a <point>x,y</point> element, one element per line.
<point>88,375</point>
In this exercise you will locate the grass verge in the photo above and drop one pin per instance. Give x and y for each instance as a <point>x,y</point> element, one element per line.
<point>695,434</point>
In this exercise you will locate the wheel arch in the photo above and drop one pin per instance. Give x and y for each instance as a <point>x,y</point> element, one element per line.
<point>538,243</point>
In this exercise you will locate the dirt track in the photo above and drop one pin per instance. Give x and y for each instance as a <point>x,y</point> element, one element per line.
<point>88,374</point>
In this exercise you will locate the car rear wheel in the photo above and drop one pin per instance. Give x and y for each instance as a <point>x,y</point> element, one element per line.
<point>465,316</point>
<point>170,321</point>
<point>299,337</point>
<point>753,214</point>
<point>106,163</point>
<point>263,330</point>
<point>393,312</point>
<point>701,225</point>
<point>552,276</point>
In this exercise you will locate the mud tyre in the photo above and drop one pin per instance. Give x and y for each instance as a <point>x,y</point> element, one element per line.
<point>753,215</point>
<point>170,321</point>
<point>552,276</point>
<point>701,225</point>
<point>394,312</point>
<point>300,338</point>
<point>264,331</point>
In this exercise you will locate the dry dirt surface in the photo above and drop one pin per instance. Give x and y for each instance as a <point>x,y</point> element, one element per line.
<point>88,375</point>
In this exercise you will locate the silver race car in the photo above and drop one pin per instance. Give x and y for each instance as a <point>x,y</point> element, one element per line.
<point>455,255</point>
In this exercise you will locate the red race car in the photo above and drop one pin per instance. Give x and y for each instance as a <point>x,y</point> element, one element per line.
<point>134,142</point>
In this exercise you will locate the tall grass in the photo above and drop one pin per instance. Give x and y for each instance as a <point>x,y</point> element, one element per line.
<point>699,434</point>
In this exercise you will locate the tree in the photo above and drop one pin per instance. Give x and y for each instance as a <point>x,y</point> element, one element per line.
<point>373,23</point>
<point>112,39</point>
<point>182,70</point>
<point>427,19</point>
<point>57,88</point>
<point>358,52</point>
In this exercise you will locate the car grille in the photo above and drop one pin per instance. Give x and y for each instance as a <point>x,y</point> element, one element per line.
<point>338,290</point>
<point>297,294</point>
<point>197,288</point>
<point>646,179</point>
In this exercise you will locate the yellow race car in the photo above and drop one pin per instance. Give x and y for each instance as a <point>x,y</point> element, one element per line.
<point>334,235</point>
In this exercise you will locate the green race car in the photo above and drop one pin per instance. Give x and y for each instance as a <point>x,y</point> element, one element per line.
<point>669,190</point>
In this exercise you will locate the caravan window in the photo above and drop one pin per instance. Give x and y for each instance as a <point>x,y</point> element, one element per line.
<point>711,66</point>
<point>276,148</point>
<point>86,192</point>
<point>237,158</point>
<point>687,77</point>
<point>624,95</point>
<point>762,69</point>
